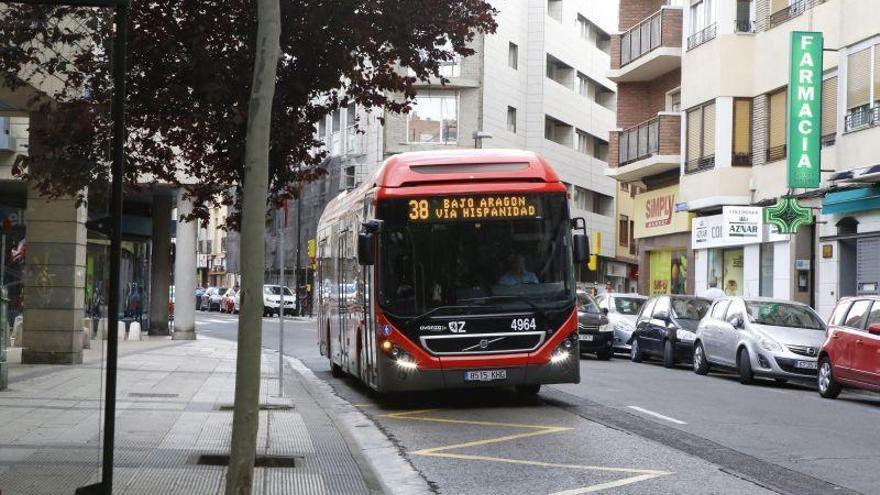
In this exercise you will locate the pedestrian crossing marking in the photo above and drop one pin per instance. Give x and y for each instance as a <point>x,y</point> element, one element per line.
<point>638,475</point>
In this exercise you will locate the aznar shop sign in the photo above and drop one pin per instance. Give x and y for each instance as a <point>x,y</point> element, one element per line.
<point>735,226</point>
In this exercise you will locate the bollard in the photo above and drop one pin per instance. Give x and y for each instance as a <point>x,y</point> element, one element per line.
<point>134,331</point>
<point>17,328</point>
<point>4,370</point>
<point>120,330</point>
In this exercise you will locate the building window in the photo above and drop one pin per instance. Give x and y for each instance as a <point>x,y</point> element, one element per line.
<point>863,88</point>
<point>511,120</point>
<point>702,23</point>
<point>766,287</point>
<point>583,27</point>
<point>336,120</point>
<point>584,142</point>
<point>560,72</point>
<point>557,131</point>
<point>582,198</point>
<point>583,85</point>
<point>623,230</point>
<point>674,101</point>
<point>433,119</point>
<point>600,149</point>
<point>632,237</point>
<point>742,131</point>
<point>776,138</point>
<point>322,127</point>
<point>350,177</point>
<point>554,9</point>
<point>829,111</point>
<point>512,55</point>
<point>603,205</point>
<point>701,138</point>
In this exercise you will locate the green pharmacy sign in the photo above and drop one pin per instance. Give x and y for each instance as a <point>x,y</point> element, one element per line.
<point>805,110</point>
<point>787,215</point>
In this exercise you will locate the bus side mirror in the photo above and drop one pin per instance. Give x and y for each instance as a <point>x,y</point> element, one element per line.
<point>367,242</point>
<point>581,248</point>
<point>366,251</point>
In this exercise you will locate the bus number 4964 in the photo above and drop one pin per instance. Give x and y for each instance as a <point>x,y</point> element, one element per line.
<point>522,324</point>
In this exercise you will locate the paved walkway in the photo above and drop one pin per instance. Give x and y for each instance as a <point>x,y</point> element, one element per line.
<point>173,405</point>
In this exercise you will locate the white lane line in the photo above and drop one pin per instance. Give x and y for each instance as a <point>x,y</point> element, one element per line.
<point>657,415</point>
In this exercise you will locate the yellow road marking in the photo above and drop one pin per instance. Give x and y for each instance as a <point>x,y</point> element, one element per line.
<point>537,430</point>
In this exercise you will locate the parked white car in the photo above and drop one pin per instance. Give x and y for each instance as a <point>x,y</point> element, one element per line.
<point>760,337</point>
<point>622,311</point>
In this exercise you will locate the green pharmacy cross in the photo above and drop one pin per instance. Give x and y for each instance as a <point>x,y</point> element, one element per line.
<point>788,215</point>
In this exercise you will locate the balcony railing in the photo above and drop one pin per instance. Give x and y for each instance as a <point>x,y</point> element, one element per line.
<point>704,36</point>
<point>792,11</point>
<point>644,140</point>
<point>776,153</point>
<point>699,164</point>
<point>642,38</point>
<point>743,26</point>
<point>862,117</point>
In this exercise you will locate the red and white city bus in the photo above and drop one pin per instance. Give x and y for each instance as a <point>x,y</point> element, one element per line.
<point>451,269</point>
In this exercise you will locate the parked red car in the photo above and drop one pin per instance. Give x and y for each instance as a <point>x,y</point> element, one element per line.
<point>850,356</point>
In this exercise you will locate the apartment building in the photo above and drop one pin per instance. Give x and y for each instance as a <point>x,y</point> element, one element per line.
<point>734,67</point>
<point>645,148</point>
<point>539,83</point>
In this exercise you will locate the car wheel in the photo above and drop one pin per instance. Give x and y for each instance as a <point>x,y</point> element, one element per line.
<point>668,354</point>
<point>746,375</point>
<point>635,352</point>
<point>829,388</point>
<point>528,389</point>
<point>701,365</point>
<point>604,355</point>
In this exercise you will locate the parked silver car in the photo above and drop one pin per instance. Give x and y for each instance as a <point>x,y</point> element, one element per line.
<point>621,310</point>
<point>759,337</point>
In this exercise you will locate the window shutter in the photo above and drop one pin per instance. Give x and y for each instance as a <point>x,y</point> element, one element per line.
<point>876,73</point>
<point>858,75</point>
<point>777,119</point>
<point>829,106</point>
<point>709,130</point>
<point>694,131</point>
<point>742,126</point>
<point>777,5</point>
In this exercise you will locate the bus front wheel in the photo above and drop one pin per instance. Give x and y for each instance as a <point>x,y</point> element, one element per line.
<point>528,389</point>
<point>336,370</point>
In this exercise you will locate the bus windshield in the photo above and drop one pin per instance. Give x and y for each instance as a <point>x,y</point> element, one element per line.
<point>457,251</point>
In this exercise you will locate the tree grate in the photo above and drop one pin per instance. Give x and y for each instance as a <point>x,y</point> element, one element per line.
<point>263,407</point>
<point>261,461</point>
<point>152,395</point>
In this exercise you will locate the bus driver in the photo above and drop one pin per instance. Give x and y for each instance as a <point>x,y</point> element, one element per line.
<point>516,273</point>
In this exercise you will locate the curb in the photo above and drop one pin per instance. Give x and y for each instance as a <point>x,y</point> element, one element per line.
<point>380,460</point>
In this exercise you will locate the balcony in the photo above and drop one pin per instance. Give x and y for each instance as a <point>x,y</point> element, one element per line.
<point>716,187</point>
<point>793,10</point>
<point>650,148</point>
<point>862,117</point>
<point>649,49</point>
<point>703,36</point>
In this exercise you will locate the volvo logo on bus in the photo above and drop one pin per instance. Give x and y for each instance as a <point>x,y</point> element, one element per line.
<point>484,343</point>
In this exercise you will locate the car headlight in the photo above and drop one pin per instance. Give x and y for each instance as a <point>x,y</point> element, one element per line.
<point>769,344</point>
<point>605,328</point>
<point>686,336</point>
<point>622,327</point>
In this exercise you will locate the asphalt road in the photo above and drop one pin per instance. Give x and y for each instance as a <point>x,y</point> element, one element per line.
<point>626,428</point>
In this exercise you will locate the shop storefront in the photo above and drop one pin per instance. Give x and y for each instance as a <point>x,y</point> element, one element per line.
<point>665,257</point>
<point>849,247</point>
<point>736,253</point>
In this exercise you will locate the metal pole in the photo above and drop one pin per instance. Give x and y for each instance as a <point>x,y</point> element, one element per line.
<point>281,306</point>
<point>3,261</point>
<point>296,278</point>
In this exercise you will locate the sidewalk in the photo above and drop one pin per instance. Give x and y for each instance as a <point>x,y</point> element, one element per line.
<point>174,403</point>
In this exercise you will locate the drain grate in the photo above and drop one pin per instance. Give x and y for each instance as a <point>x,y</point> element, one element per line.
<point>152,395</point>
<point>261,461</point>
<point>263,407</point>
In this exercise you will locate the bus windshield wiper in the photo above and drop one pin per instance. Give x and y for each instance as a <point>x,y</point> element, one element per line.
<point>415,320</point>
<point>514,297</point>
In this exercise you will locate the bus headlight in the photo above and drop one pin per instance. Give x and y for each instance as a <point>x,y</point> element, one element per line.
<point>560,355</point>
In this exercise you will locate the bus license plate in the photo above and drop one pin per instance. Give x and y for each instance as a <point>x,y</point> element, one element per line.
<point>585,338</point>
<point>485,376</point>
<point>806,365</point>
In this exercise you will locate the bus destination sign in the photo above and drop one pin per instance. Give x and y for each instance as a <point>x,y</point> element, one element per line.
<point>469,208</point>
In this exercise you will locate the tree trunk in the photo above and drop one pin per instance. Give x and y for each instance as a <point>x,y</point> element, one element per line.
<point>245,419</point>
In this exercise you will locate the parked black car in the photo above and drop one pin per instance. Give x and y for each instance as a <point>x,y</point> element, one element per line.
<point>666,328</point>
<point>594,334</point>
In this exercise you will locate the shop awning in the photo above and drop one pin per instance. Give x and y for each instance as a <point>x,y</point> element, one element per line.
<point>861,199</point>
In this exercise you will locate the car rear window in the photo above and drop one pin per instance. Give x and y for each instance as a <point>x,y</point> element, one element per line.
<point>855,318</point>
